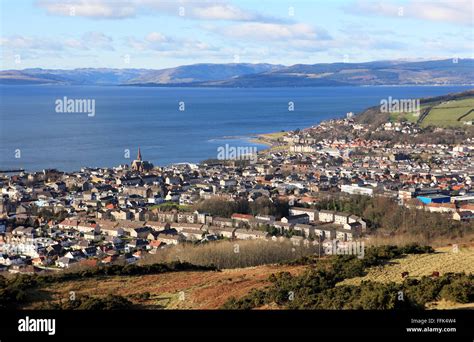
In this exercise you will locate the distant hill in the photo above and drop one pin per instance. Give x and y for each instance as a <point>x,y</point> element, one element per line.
<point>87,76</point>
<point>372,73</point>
<point>187,75</point>
<point>201,73</point>
<point>260,75</point>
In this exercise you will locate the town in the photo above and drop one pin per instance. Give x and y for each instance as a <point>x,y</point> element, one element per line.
<point>51,220</point>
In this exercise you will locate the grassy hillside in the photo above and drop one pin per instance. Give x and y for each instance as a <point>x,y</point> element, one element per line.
<point>188,287</point>
<point>418,265</point>
<point>452,110</point>
<point>450,113</point>
<point>176,290</point>
<point>444,113</point>
<point>322,285</point>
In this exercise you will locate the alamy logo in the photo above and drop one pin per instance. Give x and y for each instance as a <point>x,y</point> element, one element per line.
<point>28,324</point>
<point>66,105</point>
<point>237,153</point>
<point>392,105</point>
<point>335,247</point>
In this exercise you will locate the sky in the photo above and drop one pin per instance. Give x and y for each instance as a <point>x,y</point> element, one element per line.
<point>158,34</point>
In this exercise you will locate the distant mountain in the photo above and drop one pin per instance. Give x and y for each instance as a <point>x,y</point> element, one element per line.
<point>201,73</point>
<point>187,74</point>
<point>260,75</point>
<point>87,76</point>
<point>371,73</point>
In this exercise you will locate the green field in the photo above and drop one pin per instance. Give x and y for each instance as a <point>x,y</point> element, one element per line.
<point>411,117</point>
<point>452,113</point>
<point>469,117</point>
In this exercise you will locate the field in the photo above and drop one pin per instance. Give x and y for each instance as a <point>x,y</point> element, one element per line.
<point>452,113</point>
<point>449,113</point>
<point>179,290</point>
<point>410,117</point>
<point>443,261</point>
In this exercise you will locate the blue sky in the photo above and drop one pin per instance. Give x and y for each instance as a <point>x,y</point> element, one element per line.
<point>158,34</point>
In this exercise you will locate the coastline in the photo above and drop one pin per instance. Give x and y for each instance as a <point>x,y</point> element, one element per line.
<point>270,140</point>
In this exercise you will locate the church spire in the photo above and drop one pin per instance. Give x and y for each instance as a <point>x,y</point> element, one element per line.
<point>139,156</point>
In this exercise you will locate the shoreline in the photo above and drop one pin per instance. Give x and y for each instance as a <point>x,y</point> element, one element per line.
<point>270,140</point>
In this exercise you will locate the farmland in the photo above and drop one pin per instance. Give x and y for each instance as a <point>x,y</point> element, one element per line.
<point>450,113</point>
<point>453,110</point>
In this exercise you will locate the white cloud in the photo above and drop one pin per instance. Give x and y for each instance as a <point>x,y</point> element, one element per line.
<point>96,39</point>
<point>119,9</point>
<point>156,41</point>
<point>20,42</point>
<point>88,41</point>
<point>154,37</point>
<point>450,11</point>
<point>273,31</point>
<point>221,12</point>
<point>89,8</point>
<point>455,11</point>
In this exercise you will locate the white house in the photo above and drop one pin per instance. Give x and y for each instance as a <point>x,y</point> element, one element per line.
<point>326,216</point>
<point>341,218</point>
<point>312,213</point>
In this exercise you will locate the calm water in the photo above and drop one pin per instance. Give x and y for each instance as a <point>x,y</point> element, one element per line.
<point>128,117</point>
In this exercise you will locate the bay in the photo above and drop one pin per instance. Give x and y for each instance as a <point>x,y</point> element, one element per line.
<point>150,118</point>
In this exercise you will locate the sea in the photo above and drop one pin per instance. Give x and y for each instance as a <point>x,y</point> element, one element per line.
<point>169,125</point>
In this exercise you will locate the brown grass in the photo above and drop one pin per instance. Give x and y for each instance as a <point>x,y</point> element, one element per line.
<point>179,290</point>
<point>448,305</point>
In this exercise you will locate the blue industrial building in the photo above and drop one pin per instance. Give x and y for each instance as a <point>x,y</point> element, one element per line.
<point>434,198</point>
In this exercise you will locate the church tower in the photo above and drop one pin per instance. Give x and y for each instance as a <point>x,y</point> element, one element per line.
<point>139,156</point>
<point>140,165</point>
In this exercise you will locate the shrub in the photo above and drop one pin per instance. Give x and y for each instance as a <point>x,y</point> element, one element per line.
<point>14,291</point>
<point>141,296</point>
<point>416,249</point>
<point>424,290</point>
<point>316,288</point>
<point>110,302</point>
<point>460,290</point>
